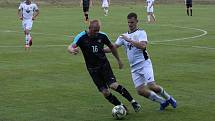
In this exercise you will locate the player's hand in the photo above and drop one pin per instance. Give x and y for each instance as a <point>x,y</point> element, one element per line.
<point>125,38</point>
<point>33,18</point>
<point>120,64</point>
<point>73,51</point>
<point>20,18</point>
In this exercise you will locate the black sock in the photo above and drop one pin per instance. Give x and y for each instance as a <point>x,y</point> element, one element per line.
<point>191,12</point>
<point>86,16</point>
<point>187,12</point>
<point>124,93</point>
<point>112,99</point>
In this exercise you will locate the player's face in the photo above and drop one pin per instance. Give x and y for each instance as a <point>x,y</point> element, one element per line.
<point>28,1</point>
<point>94,28</point>
<point>132,24</point>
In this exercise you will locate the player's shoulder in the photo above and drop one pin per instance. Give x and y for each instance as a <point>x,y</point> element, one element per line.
<point>33,4</point>
<point>141,31</point>
<point>82,33</point>
<point>103,33</point>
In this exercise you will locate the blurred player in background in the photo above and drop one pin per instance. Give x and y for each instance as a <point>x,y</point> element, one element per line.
<point>92,43</point>
<point>105,6</point>
<point>135,42</point>
<point>150,10</point>
<point>27,12</point>
<point>188,4</point>
<point>86,4</point>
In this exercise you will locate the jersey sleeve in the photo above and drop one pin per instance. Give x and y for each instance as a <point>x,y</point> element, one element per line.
<point>106,40</point>
<point>143,36</point>
<point>77,38</point>
<point>36,7</point>
<point>119,41</point>
<point>20,6</point>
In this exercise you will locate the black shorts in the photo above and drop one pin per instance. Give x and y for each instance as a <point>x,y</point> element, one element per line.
<point>102,76</point>
<point>189,5</point>
<point>86,9</point>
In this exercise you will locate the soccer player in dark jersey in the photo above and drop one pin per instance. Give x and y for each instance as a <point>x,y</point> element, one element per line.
<point>189,7</point>
<point>85,5</point>
<point>91,43</point>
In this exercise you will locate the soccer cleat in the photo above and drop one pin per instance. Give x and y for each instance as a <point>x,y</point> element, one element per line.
<point>125,108</point>
<point>172,101</point>
<point>136,106</point>
<point>164,105</point>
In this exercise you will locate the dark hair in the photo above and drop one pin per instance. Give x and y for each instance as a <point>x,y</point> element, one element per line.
<point>131,15</point>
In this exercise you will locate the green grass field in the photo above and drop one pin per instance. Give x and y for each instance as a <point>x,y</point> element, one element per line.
<point>49,84</point>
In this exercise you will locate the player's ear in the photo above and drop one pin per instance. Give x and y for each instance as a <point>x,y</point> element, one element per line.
<point>137,20</point>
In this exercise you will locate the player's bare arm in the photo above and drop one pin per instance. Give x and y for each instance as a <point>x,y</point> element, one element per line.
<point>107,49</point>
<point>20,15</point>
<point>91,3</point>
<point>140,45</point>
<point>35,14</point>
<point>116,55</point>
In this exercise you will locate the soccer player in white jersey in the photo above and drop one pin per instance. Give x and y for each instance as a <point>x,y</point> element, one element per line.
<point>27,12</point>
<point>150,10</point>
<point>105,6</point>
<point>135,42</point>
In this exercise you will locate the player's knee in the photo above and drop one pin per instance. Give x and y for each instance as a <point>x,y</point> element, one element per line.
<point>105,92</point>
<point>27,32</point>
<point>114,86</point>
<point>155,88</point>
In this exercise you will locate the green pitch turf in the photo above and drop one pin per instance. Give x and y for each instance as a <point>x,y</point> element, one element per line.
<point>49,84</point>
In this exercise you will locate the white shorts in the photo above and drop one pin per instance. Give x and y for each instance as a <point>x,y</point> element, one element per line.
<point>150,10</point>
<point>144,75</point>
<point>27,24</point>
<point>105,4</point>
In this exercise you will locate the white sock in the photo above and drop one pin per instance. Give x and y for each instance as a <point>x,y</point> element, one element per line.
<point>26,39</point>
<point>154,97</point>
<point>153,16</point>
<point>106,10</point>
<point>133,101</point>
<point>148,17</point>
<point>164,94</point>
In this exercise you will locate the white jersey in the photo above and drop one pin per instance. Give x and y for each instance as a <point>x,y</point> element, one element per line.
<point>149,3</point>
<point>105,3</point>
<point>135,55</point>
<point>27,10</point>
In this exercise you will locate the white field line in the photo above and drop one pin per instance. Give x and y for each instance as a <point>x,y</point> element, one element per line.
<point>177,45</point>
<point>154,42</point>
<point>185,38</point>
<point>36,33</point>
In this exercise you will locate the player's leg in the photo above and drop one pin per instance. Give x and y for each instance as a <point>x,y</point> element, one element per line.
<point>105,11</point>
<point>102,87</point>
<point>148,14</point>
<point>27,24</point>
<point>188,9</point>
<point>142,90</point>
<point>125,93</point>
<point>111,82</point>
<point>160,90</point>
<point>153,17</point>
<point>191,11</point>
<point>86,13</point>
<point>141,80</point>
